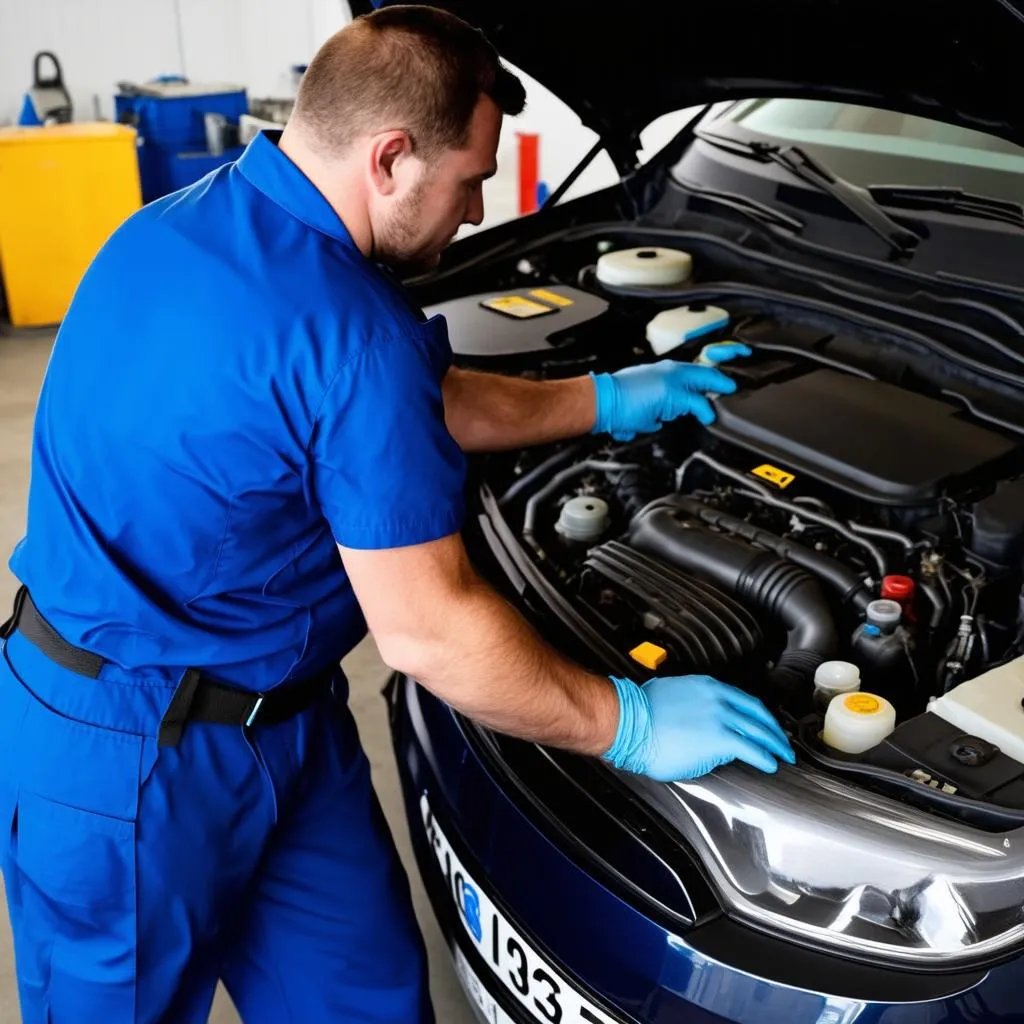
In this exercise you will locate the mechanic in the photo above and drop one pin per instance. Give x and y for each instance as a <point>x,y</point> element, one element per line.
<point>248,446</point>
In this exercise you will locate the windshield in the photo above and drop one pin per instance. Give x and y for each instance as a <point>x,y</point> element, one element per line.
<point>880,147</point>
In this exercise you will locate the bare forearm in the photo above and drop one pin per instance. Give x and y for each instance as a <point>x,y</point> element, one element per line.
<point>488,412</point>
<point>484,660</point>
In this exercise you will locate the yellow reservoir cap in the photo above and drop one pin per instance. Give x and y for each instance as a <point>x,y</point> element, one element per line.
<point>855,722</point>
<point>649,655</point>
<point>863,704</point>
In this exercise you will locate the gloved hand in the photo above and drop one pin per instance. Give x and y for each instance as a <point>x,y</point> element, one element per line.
<point>638,399</point>
<point>681,727</point>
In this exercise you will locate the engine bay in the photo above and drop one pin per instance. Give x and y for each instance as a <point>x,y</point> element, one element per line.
<point>845,539</point>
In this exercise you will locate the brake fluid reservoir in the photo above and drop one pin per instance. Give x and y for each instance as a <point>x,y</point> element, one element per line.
<point>650,267</point>
<point>855,722</point>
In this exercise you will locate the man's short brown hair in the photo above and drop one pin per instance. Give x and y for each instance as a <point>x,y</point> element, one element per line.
<point>416,68</point>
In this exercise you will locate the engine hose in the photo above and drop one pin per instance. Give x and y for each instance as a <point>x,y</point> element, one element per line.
<point>940,606</point>
<point>844,581</point>
<point>759,578</point>
<point>635,489</point>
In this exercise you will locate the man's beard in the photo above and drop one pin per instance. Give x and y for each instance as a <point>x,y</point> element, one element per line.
<point>396,243</point>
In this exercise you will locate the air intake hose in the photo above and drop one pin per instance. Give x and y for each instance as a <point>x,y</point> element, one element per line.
<point>758,578</point>
<point>850,588</point>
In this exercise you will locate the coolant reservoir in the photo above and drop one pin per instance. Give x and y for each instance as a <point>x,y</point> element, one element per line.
<point>832,678</point>
<point>855,722</point>
<point>650,267</point>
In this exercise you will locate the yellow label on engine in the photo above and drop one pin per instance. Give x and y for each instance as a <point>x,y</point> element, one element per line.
<point>862,703</point>
<point>553,297</point>
<point>518,306</point>
<point>774,475</point>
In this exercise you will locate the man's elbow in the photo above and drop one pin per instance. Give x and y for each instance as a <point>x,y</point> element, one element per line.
<point>403,653</point>
<point>424,654</point>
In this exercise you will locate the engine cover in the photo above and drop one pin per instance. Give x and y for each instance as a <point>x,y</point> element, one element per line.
<point>865,437</point>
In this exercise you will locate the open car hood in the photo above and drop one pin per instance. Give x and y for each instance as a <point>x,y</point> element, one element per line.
<point>619,67</point>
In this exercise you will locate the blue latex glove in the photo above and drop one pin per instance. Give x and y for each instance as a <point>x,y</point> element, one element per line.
<point>638,399</point>
<point>681,727</point>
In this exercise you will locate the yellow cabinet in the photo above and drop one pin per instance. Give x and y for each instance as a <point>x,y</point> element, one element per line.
<point>63,191</point>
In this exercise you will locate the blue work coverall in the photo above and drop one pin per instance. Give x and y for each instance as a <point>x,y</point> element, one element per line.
<point>235,390</point>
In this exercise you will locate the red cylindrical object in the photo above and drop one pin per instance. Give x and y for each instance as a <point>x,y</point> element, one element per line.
<point>898,588</point>
<point>901,590</point>
<point>529,171</point>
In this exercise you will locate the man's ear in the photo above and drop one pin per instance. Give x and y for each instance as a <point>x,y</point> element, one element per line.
<point>387,151</point>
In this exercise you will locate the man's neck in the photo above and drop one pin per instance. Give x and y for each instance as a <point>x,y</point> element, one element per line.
<point>337,181</point>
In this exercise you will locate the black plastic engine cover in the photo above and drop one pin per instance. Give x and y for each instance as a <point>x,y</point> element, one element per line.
<point>868,438</point>
<point>475,329</point>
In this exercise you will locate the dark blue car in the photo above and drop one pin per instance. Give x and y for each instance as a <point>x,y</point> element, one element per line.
<point>849,204</point>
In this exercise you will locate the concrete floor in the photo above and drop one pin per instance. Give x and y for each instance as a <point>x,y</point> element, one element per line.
<point>22,362</point>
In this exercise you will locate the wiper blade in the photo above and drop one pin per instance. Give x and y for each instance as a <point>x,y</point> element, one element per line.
<point>902,241</point>
<point>747,206</point>
<point>940,199</point>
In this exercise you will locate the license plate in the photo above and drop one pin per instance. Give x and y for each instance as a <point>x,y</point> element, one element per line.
<point>540,988</point>
<point>481,998</point>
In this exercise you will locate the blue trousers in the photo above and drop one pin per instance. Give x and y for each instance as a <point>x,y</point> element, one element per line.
<point>138,875</point>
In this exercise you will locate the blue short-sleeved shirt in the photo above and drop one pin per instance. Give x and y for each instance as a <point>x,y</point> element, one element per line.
<point>235,389</point>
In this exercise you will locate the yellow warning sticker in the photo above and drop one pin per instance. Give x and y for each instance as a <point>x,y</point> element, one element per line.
<point>518,306</point>
<point>862,703</point>
<point>553,297</point>
<point>774,475</point>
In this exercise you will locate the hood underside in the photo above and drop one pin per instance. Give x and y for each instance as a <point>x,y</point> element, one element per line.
<point>620,68</point>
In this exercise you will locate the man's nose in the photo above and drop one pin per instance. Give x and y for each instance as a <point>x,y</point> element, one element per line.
<point>475,209</point>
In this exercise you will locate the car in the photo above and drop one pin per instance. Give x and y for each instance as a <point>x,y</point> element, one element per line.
<point>844,541</point>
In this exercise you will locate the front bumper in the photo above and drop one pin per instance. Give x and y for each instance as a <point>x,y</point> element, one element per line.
<point>610,961</point>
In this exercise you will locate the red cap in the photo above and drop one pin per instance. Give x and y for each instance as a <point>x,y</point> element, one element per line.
<point>898,588</point>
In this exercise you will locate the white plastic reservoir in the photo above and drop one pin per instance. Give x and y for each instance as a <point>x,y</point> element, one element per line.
<point>672,327</point>
<point>989,707</point>
<point>648,267</point>
<point>855,722</point>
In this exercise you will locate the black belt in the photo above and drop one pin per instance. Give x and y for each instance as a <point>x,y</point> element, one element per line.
<point>198,697</point>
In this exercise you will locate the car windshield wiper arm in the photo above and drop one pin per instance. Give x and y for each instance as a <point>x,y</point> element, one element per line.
<point>901,241</point>
<point>940,199</point>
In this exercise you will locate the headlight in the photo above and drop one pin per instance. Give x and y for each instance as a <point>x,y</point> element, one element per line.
<point>803,853</point>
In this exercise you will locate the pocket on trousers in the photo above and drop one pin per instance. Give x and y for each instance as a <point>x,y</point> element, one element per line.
<point>75,858</point>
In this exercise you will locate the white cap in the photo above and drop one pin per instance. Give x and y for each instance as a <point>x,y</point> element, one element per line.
<point>885,614</point>
<point>837,677</point>
<point>648,267</point>
<point>583,518</point>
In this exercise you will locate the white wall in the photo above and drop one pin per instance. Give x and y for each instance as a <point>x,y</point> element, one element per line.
<point>101,42</point>
<point>252,43</point>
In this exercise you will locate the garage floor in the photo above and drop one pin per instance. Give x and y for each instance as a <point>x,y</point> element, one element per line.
<point>22,362</point>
